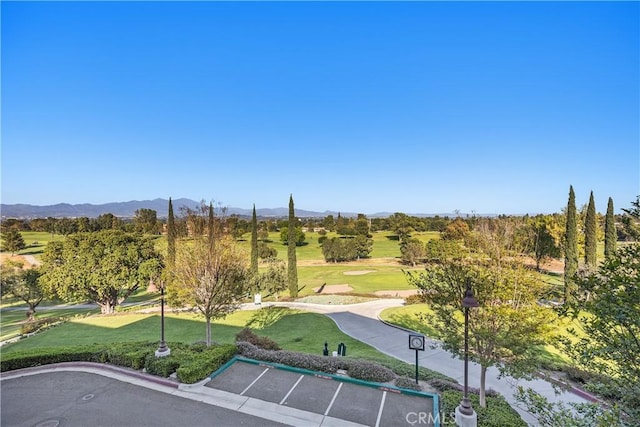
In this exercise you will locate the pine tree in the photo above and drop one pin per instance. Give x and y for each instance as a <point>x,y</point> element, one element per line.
<point>171,237</point>
<point>292,270</point>
<point>570,247</point>
<point>254,241</point>
<point>590,235</point>
<point>610,234</point>
<point>12,241</point>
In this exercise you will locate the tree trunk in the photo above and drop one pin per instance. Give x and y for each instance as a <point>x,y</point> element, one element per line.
<point>31,312</point>
<point>107,307</point>
<point>208,331</point>
<point>483,377</point>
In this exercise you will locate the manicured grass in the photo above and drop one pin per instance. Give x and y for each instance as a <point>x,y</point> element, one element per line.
<point>379,277</point>
<point>385,244</point>
<point>36,242</point>
<point>11,321</point>
<point>293,330</point>
<point>406,317</point>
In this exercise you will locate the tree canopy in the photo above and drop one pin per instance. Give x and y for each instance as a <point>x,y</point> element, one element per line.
<point>104,267</point>
<point>607,303</point>
<point>23,283</point>
<point>12,241</point>
<point>504,330</point>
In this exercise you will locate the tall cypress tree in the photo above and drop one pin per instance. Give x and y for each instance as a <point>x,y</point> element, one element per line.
<point>590,235</point>
<point>570,247</point>
<point>610,234</point>
<point>292,269</point>
<point>254,241</point>
<point>171,237</point>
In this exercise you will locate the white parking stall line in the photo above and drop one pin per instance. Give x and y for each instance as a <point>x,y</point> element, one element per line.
<point>384,396</point>
<point>254,381</point>
<point>333,399</point>
<point>294,386</point>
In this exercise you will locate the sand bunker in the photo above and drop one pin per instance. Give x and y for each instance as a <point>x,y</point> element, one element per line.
<point>357,272</point>
<point>334,289</point>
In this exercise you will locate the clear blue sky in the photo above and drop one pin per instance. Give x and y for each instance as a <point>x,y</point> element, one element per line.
<point>416,107</point>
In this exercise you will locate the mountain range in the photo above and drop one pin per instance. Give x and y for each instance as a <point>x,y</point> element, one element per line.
<point>128,209</point>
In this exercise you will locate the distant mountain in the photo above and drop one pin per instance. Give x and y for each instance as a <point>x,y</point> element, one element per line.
<point>128,209</point>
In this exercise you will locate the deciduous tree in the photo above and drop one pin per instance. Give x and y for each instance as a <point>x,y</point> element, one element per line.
<point>610,318</point>
<point>146,221</point>
<point>211,274</point>
<point>23,283</point>
<point>103,267</point>
<point>504,330</point>
<point>299,236</point>
<point>631,220</point>
<point>544,232</point>
<point>412,251</point>
<point>456,230</point>
<point>272,279</point>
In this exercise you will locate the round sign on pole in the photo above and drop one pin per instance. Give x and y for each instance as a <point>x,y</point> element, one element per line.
<point>416,342</point>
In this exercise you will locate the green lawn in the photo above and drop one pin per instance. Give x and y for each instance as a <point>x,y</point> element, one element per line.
<point>290,328</point>
<point>379,277</point>
<point>11,320</point>
<point>36,242</point>
<point>406,317</point>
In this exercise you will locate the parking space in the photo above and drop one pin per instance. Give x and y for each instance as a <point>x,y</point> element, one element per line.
<point>332,396</point>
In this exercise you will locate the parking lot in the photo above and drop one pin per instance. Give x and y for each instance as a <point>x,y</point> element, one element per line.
<point>330,396</point>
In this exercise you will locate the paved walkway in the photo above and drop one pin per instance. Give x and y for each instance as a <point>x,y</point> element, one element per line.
<point>361,322</point>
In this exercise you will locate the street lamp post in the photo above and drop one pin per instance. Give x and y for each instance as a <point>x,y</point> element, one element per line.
<point>464,414</point>
<point>162,350</point>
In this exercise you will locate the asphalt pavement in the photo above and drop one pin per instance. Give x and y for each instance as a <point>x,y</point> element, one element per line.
<point>361,321</point>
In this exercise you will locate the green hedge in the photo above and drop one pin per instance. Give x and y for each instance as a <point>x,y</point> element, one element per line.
<point>204,363</point>
<point>191,362</point>
<point>498,412</point>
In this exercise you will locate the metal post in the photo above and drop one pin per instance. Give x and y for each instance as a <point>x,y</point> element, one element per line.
<point>162,350</point>
<point>464,413</point>
<point>416,366</point>
<point>466,404</point>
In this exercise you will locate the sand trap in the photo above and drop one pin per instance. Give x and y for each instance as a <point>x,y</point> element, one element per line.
<point>403,294</point>
<point>357,272</point>
<point>334,289</point>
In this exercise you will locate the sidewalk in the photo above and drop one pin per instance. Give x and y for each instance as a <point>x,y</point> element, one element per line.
<point>361,322</point>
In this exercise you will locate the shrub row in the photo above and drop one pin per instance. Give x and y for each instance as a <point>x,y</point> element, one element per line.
<point>444,385</point>
<point>206,362</point>
<point>360,369</point>
<point>40,324</point>
<point>192,363</point>
<point>247,335</point>
<point>406,382</point>
<point>46,356</point>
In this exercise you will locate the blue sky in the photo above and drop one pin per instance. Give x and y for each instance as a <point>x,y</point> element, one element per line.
<point>417,107</point>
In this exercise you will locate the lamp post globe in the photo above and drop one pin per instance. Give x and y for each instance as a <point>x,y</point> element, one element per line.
<point>465,416</point>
